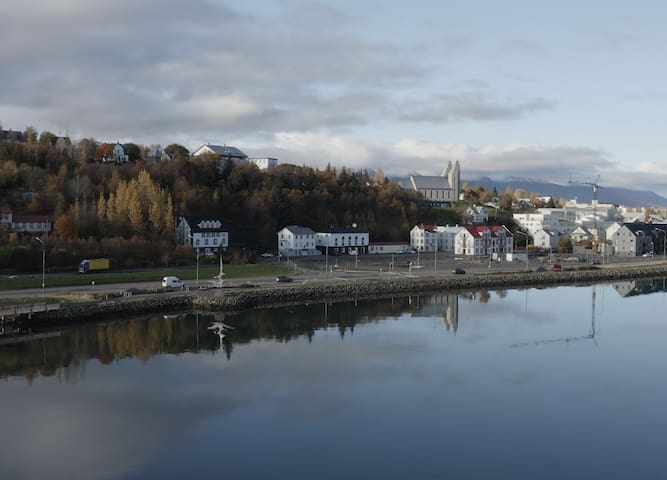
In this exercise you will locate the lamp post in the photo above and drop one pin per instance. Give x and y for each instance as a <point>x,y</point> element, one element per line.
<point>43,266</point>
<point>664,241</point>
<point>525,235</point>
<point>197,251</point>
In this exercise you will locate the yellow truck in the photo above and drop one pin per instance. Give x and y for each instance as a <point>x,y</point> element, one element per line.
<point>94,265</point>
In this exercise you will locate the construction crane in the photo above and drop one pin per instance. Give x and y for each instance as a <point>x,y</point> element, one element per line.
<point>595,186</point>
<point>567,340</point>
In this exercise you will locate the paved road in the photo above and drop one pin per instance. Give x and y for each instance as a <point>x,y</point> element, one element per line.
<point>342,268</point>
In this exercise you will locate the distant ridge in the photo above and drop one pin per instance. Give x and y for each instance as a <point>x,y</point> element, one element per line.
<point>583,193</point>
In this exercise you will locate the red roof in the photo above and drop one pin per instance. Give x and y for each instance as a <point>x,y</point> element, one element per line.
<point>427,228</point>
<point>478,230</point>
<point>5,210</point>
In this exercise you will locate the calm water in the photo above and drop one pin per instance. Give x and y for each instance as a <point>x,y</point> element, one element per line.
<point>556,383</point>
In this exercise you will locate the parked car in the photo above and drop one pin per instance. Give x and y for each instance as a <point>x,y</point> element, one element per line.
<point>596,261</point>
<point>540,269</point>
<point>554,266</point>
<point>458,271</point>
<point>283,279</point>
<point>172,282</point>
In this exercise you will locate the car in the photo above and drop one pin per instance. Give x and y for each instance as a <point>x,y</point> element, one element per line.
<point>283,279</point>
<point>540,269</point>
<point>596,261</point>
<point>266,255</point>
<point>458,271</point>
<point>554,266</point>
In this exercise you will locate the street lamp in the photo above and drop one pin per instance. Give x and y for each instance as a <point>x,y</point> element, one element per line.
<point>525,235</point>
<point>197,251</point>
<point>43,266</point>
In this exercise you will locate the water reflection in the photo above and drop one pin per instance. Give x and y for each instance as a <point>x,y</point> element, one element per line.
<point>366,389</point>
<point>640,287</point>
<point>64,352</point>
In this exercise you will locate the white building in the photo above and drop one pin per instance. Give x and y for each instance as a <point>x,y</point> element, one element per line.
<point>546,238</point>
<point>264,163</point>
<point>554,219</point>
<point>296,241</point>
<point>31,224</point>
<point>342,240</point>
<point>424,238</point>
<point>222,153</point>
<point>476,215</point>
<point>205,234</point>
<point>490,240</point>
<point>437,190</point>
<point>428,238</point>
<point>119,154</point>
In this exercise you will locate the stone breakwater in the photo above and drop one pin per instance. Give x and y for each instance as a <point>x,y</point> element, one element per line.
<point>276,295</point>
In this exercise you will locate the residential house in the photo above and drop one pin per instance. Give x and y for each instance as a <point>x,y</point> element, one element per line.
<point>424,238</point>
<point>546,238</point>
<point>205,233</point>
<point>264,163</point>
<point>639,238</point>
<point>439,190</point>
<point>118,155</point>
<point>31,224</point>
<point>296,241</point>
<point>581,234</point>
<point>476,215</point>
<point>340,240</point>
<point>480,240</point>
<point>222,153</point>
<point>447,237</point>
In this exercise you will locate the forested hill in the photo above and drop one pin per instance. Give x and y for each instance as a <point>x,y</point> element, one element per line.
<point>139,201</point>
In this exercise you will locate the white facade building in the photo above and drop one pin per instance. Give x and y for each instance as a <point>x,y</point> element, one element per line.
<point>554,219</point>
<point>546,238</point>
<point>204,233</point>
<point>484,241</point>
<point>428,238</point>
<point>264,163</point>
<point>342,240</point>
<point>296,241</point>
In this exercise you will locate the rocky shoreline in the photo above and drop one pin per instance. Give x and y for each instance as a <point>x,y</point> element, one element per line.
<point>320,291</point>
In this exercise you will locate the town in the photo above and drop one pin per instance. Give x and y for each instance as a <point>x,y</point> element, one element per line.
<point>153,206</point>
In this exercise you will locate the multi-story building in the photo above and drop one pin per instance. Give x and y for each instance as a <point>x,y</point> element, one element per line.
<point>296,241</point>
<point>484,241</point>
<point>205,234</point>
<point>337,240</point>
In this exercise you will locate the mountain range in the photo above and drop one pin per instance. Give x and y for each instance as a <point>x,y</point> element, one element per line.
<point>583,193</point>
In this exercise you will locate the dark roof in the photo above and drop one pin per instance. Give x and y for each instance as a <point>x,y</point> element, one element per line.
<point>194,220</point>
<point>297,230</point>
<point>10,136</point>
<point>225,151</point>
<point>343,230</point>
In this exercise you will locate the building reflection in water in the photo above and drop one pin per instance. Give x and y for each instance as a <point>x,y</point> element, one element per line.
<point>65,352</point>
<point>640,287</point>
<point>441,305</point>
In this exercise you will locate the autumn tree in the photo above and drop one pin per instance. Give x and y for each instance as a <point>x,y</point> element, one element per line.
<point>104,150</point>
<point>65,228</point>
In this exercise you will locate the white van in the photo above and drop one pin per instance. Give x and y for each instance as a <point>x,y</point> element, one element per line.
<point>172,282</point>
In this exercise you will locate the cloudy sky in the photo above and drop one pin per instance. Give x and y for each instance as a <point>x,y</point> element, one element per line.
<point>516,88</point>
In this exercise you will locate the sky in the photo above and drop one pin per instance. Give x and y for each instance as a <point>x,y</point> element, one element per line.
<point>529,89</point>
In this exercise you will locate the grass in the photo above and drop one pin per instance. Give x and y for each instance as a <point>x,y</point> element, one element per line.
<point>184,273</point>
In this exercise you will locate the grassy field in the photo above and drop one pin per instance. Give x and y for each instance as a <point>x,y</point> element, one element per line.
<point>184,273</point>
